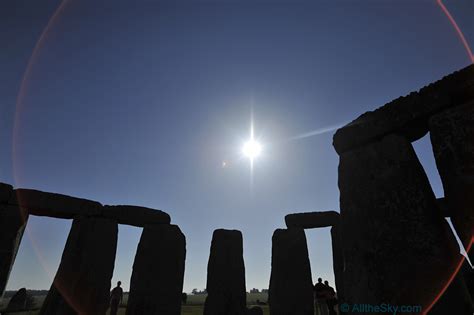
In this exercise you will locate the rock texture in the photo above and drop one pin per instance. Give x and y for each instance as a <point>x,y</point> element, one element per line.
<point>291,287</point>
<point>134,215</point>
<point>12,225</point>
<point>452,137</point>
<point>54,205</point>
<point>408,115</point>
<point>394,235</point>
<point>310,220</point>
<point>158,272</point>
<point>226,275</point>
<point>82,282</point>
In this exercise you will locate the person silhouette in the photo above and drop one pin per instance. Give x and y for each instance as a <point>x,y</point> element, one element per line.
<point>320,299</point>
<point>116,296</point>
<point>331,300</point>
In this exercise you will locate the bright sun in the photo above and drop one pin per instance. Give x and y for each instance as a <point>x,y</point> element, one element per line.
<point>251,149</point>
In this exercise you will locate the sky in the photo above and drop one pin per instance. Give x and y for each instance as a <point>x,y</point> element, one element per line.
<point>140,102</point>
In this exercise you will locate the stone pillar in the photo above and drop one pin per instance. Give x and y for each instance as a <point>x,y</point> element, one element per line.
<point>338,260</point>
<point>397,247</point>
<point>452,137</point>
<point>82,282</point>
<point>226,275</point>
<point>12,225</point>
<point>291,286</point>
<point>158,272</point>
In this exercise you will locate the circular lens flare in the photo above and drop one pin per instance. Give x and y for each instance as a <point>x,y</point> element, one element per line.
<point>252,149</point>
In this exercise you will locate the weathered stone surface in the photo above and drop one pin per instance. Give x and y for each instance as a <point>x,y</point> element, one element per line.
<point>18,301</point>
<point>338,260</point>
<point>134,215</point>
<point>226,275</point>
<point>310,220</point>
<point>158,272</point>
<point>82,282</point>
<point>54,205</point>
<point>452,137</point>
<point>408,115</point>
<point>291,287</point>
<point>455,300</point>
<point>5,192</point>
<point>12,225</point>
<point>394,235</point>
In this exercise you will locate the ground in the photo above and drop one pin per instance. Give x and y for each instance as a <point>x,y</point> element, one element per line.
<point>194,304</point>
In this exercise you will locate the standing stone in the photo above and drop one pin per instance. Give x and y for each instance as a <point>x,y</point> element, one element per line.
<point>452,137</point>
<point>18,301</point>
<point>455,300</point>
<point>82,282</point>
<point>226,275</point>
<point>291,287</point>
<point>338,260</point>
<point>12,225</point>
<point>397,247</point>
<point>158,272</point>
<point>5,192</point>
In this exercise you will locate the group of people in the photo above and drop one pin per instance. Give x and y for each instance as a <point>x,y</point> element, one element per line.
<point>325,298</point>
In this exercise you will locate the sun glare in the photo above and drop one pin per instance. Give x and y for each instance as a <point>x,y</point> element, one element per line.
<point>252,149</point>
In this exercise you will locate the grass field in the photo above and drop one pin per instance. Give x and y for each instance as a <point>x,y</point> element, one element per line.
<point>194,306</point>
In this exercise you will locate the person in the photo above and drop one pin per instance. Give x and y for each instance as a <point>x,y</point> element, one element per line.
<point>331,300</point>
<point>115,298</point>
<point>319,293</point>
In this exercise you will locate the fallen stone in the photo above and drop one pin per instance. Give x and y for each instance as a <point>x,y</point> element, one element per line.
<point>156,285</point>
<point>12,225</point>
<point>226,275</point>
<point>291,287</point>
<point>136,216</point>
<point>5,192</point>
<point>393,233</point>
<point>82,282</point>
<point>407,116</point>
<point>54,205</point>
<point>310,220</point>
<point>452,137</point>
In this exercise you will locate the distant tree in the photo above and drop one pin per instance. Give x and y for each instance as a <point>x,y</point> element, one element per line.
<point>195,291</point>
<point>264,291</point>
<point>254,290</point>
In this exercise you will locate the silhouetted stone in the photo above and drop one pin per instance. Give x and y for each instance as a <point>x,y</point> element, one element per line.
<point>398,249</point>
<point>291,287</point>
<point>82,282</point>
<point>18,301</point>
<point>309,220</point>
<point>443,207</point>
<point>158,272</point>
<point>12,225</point>
<point>338,260</point>
<point>408,115</point>
<point>455,300</point>
<point>54,205</point>
<point>255,311</point>
<point>134,215</point>
<point>5,192</point>
<point>452,137</point>
<point>226,275</point>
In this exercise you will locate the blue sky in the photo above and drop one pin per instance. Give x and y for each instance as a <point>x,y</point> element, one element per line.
<point>140,102</point>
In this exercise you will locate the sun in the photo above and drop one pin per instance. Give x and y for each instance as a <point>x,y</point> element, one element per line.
<point>251,149</point>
